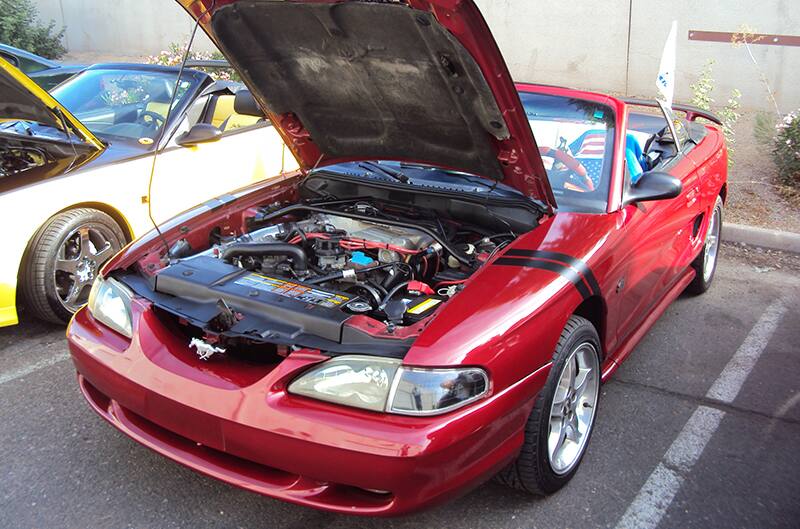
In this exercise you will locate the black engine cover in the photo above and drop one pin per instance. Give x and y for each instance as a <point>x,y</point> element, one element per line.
<point>269,305</point>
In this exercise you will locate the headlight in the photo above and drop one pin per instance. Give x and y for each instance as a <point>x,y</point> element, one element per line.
<point>431,391</point>
<point>110,303</point>
<point>382,384</point>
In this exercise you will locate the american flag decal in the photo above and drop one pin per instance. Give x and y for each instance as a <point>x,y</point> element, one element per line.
<point>593,146</point>
<point>590,150</point>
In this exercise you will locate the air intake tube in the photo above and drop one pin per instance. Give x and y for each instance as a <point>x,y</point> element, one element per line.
<point>297,254</point>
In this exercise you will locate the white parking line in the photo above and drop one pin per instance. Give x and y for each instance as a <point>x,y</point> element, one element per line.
<point>730,381</point>
<point>24,371</point>
<point>656,495</point>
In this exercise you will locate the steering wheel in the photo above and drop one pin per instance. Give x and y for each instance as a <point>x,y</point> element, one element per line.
<point>576,177</point>
<point>156,119</point>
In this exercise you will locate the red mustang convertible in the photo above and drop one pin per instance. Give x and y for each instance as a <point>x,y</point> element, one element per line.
<point>435,298</point>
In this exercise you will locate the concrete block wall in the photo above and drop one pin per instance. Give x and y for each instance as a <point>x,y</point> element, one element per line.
<point>612,45</point>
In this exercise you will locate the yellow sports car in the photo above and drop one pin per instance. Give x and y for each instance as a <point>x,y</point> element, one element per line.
<point>75,169</point>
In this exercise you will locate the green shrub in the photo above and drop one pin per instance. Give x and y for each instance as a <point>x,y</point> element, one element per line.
<point>764,128</point>
<point>728,114</point>
<point>19,27</point>
<point>786,151</point>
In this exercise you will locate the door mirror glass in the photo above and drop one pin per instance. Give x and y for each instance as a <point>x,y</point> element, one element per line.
<point>654,185</point>
<point>199,133</point>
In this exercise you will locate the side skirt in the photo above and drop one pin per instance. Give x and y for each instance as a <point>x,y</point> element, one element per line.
<point>627,346</point>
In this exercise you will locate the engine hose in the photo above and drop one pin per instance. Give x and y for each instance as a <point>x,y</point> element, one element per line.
<point>392,278</point>
<point>297,254</point>
<point>392,292</point>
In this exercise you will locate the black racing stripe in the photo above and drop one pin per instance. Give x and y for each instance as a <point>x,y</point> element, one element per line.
<point>560,269</point>
<point>574,262</point>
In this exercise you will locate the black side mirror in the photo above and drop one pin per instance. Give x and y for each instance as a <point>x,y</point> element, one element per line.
<point>654,185</point>
<point>244,103</point>
<point>199,133</point>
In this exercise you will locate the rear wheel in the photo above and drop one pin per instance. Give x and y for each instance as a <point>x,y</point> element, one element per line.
<point>705,264</point>
<point>561,423</point>
<point>63,259</point>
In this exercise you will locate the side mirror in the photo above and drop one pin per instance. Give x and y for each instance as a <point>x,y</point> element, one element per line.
<point>199,133</point>
<point>244,103</point>
<point>654,185</point>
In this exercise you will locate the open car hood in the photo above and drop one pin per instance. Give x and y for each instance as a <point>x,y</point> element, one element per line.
<point>408,80</point>
<point>23,99</point>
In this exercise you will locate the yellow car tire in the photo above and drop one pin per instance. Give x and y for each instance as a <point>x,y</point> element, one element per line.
<point>62,260</point>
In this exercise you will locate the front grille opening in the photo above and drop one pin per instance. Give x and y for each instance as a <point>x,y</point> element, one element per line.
<point>241,365</point>
<point>237,348</point>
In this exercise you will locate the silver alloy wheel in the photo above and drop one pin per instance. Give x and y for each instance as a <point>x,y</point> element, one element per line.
<point>573,409</point>
<point>712,244</point>
<point>78,261</point>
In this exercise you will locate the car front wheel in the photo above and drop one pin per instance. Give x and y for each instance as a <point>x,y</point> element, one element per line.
<point>63,259</point>
<point>561,423</point>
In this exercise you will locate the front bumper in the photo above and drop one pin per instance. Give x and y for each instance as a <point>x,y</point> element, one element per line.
<point>246,430</point>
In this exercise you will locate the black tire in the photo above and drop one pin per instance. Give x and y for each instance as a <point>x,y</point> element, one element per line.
<point>532,471</point>
<point>43,279</point>
<point>702,281</point>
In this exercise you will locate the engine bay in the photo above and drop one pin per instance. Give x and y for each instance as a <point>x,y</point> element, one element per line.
<point>343,275</point>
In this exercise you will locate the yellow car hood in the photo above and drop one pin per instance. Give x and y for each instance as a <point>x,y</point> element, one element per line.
<point>23,99</point>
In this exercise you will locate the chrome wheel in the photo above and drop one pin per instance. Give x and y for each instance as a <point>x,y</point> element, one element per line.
<point>711,245</point>
<point>78,261</point>
<point>573,408</point>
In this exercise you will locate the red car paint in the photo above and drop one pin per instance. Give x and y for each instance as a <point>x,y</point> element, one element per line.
<point>619,269</point>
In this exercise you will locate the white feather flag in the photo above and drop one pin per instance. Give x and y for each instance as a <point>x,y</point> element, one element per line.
<point>665,82</point>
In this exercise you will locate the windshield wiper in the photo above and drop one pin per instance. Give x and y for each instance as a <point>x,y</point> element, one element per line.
<point>467,177</point>
<point>377,168</point>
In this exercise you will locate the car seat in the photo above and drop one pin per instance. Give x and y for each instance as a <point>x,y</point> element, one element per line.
<point>634,158</point>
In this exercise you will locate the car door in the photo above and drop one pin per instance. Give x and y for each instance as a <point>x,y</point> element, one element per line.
<point>187,176</point>
<point>656,238</point>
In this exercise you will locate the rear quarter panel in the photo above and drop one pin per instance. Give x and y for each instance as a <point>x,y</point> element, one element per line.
<point>711,159</point>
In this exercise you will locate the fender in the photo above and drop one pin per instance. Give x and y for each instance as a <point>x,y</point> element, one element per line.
<point>512,311</point>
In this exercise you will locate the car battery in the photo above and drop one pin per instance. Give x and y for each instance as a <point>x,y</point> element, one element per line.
<point>421,307</point>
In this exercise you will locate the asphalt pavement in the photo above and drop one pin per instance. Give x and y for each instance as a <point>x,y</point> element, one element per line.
<point>699,428</point>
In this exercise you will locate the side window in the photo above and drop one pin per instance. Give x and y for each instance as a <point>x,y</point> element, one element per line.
<point>29,66</point>
<point>195,112</point>
<point>193,115</point>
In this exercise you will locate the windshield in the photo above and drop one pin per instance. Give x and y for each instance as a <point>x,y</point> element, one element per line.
<point>575,138</point>
<point>122,103</point>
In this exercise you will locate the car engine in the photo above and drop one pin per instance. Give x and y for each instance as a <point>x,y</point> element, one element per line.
<point>332,274</point>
